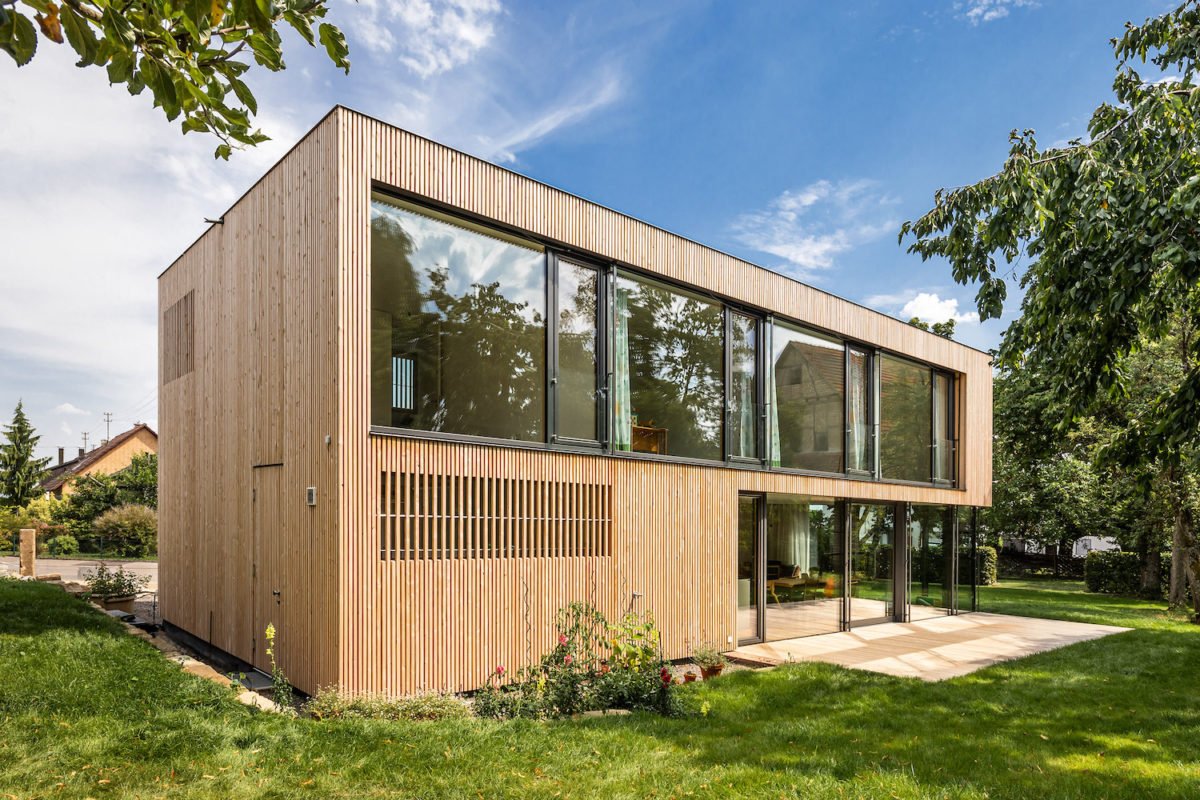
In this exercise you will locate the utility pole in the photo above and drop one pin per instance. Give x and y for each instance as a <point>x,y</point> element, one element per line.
<point>107,426</point>
<point>85,438</point>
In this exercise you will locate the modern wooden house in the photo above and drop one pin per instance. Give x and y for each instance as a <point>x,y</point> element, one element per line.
<point>413,403</point>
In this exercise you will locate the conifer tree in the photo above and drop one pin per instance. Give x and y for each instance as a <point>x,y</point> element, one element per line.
<point>20,472</point>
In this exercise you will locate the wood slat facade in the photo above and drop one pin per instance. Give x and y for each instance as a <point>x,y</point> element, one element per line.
<point>386,584</point>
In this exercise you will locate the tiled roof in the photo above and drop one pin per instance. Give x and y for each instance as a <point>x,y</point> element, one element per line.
<point>68,469</point>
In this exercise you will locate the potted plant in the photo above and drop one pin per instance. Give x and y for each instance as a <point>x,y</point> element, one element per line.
<point>115,589</point>
<point>690,676</point>
<point>710,662</point>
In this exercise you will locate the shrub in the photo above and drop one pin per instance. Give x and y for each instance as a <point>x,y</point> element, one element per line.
<point>329,704</point>
<point>595,665</point>
<point>128,530</point>
<point>104,582</point>
<point>63,545</point>
<point>987,561</point>
<point>1120,572</point>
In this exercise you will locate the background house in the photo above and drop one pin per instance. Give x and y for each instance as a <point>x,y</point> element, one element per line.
<point>112,456</point>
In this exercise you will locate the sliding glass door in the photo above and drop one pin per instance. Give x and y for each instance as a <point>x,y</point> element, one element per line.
<point>748,582</point>
<point>804,567</point>
<point>872,563</point>
<point>932,557</point>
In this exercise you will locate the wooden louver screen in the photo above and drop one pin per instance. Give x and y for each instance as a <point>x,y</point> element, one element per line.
<point>179,339</point>
<point>444,516</point>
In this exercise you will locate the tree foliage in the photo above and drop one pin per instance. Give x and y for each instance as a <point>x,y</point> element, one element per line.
<point>1102,236</point>
<point>20,473</point>
<point>191,54</point>
<point>1105,231</point>
<point>944,329</point>
<point>95,494</point>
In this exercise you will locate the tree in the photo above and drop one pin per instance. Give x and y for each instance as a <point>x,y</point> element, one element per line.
<point>944,329</point>
<point>20,473</point>
<point>191,55</point>
<point>1102,236</point>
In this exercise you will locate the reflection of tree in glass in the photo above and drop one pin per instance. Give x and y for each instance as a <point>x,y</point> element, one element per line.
<point>577,351</point>
<point>676,367</point>
<point>906,403</point>
<point>931,558</point>
<point>479,356</point>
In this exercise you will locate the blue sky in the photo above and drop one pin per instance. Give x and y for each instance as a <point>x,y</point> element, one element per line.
<point>796,135</point>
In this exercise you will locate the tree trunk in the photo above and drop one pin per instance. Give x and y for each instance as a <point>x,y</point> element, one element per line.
<point>1177,595</point>
<point>1151,578</point>
<point>1185,528</point>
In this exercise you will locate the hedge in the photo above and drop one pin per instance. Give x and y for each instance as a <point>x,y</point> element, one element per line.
<point>1119,572</point>
<point>988,561</point>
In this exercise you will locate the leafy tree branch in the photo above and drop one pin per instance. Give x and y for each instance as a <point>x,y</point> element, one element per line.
<point>190,55</point>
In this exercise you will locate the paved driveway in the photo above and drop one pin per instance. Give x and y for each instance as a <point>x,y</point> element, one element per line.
<point>70,569</point>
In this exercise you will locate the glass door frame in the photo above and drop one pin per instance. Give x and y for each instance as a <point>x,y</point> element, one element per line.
<point>950,544</point>
<point>899,566</point>
<point>758,586</point>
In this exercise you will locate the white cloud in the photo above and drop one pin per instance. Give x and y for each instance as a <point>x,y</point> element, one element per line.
<point>99,193</point>
<point>982,11</point>
<point>809,226</point>
<point>68,409</point>
<point>927,305</point>
<point>427,36</point>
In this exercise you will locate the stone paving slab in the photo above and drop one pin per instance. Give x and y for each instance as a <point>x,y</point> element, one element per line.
<point>931,649</point>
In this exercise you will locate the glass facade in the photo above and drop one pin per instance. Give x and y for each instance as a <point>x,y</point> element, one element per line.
<point>458,326</point>
<point>905,420</point>
<point>669,370</point>
<point>478,332</point>
<point>803,577</point>
<point>931,561</point>
<point>578,294</point>
<point>872,562</point>
<point>860,428</point>
<point>808,399</point>
<point>943,427</point>
<point>743,386</point>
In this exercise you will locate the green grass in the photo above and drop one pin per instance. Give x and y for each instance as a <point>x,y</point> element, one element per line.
<point>87,711</point>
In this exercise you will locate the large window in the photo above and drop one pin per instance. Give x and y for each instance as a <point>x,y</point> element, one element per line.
<point>458,326</point>
<point>943,427</point>
<point>743,386</point>
<point>905,414</point>
<point>668,371</point>
<point>807,408</point>
<point>860,430</point>
<point>478,332</point>
<point>577,301</point>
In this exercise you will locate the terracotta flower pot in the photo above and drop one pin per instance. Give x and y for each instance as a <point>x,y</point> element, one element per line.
<point>118,603</point>
<point>689,677</point>
<point>711,672</point>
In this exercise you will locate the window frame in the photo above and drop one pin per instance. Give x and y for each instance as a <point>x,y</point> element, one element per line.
<point>554,259</point>
<point>607,271</point>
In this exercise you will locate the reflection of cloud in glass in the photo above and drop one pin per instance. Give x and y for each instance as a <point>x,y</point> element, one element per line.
<point>481,259</point>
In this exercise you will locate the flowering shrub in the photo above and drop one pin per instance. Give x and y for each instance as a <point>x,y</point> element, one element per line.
<point>594,665</point>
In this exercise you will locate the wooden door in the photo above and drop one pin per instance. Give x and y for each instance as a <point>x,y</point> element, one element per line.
<point>267,569</point>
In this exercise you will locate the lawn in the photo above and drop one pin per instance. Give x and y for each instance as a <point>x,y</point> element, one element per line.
<point>87,711</point>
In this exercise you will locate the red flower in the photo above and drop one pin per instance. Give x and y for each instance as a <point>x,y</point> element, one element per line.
<point>500,669</point>
<point>568,658</point>
<point>562,638</point>
<point>665,674</point>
